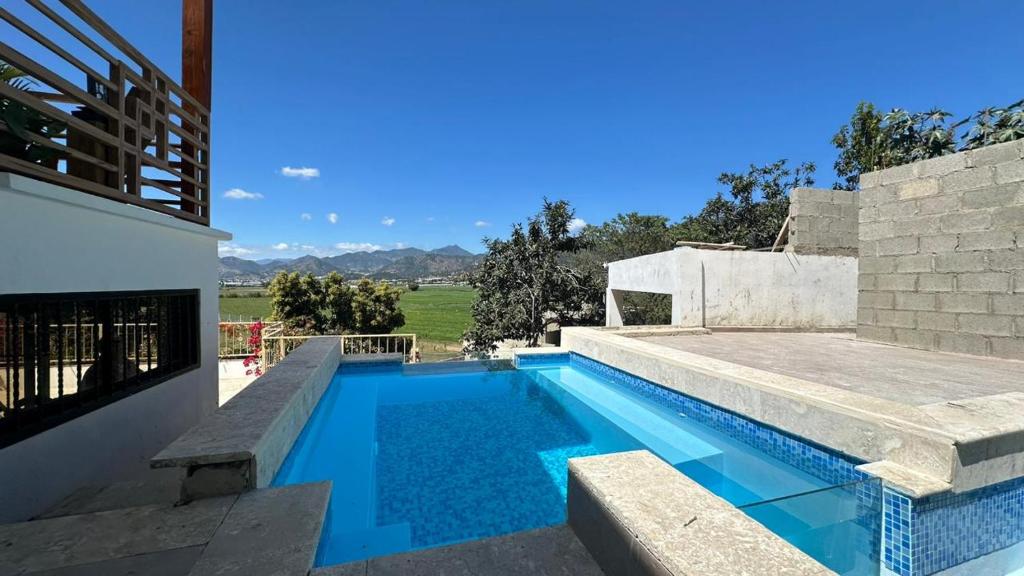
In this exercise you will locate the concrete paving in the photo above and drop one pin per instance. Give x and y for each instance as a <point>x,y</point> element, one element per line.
<point>551,551</point>
<point>904,375</point>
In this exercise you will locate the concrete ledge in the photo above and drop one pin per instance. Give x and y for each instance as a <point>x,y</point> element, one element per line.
<point>241,445</point>
<point>638,516</point>
<point>372,358</point>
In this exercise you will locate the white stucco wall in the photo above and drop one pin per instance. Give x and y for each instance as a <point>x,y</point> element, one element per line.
<point>60,240</point>
<point>718,288</point>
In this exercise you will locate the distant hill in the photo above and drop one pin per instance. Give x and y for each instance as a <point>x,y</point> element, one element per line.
<point>398,264</point>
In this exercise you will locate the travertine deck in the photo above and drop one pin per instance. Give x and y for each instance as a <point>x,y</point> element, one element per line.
<point>927,421</point>
<point>551,551</point>
<point>915,377</point>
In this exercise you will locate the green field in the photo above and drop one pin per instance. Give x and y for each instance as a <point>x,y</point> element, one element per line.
<point>436,314</point>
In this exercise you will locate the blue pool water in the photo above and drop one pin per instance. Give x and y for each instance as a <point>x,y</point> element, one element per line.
<point>422,457</point>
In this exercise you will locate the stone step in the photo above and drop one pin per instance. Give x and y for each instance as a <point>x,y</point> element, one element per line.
<point>156,487</point>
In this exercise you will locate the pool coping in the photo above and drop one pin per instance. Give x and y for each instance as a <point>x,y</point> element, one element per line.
<point>242,444</point>
<point>638,515</point>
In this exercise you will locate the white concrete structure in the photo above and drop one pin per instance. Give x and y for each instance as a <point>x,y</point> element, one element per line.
<point>749,289</point>
<point>61,240</point>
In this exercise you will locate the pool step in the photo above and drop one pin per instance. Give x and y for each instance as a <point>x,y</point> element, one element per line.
<point>658,432</point>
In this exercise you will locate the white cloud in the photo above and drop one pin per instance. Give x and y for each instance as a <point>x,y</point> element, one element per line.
<point>234,250</point>
<point>332,217</point>
<point>281,246</point>
<point>430,218</point>
<point>300,173</point>
<point>481,224</point>
<point>577,224</point>
<point>357,247</point>
<point>308,247</point>
<point>387,221</point>
<point>239,194</point>
<point>306,216</point>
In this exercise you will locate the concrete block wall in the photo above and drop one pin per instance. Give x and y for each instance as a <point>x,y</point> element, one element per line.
<point>942,253</point>
<point>823,222</point>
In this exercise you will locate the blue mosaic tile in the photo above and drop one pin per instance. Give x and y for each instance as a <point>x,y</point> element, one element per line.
<point>537,360</point>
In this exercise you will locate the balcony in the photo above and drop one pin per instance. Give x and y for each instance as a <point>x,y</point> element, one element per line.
<point>101,118</point>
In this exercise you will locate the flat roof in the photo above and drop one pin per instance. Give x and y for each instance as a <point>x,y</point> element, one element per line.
<point>903,375</point>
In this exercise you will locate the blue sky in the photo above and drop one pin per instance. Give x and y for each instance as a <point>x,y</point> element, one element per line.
<point>432,123</point>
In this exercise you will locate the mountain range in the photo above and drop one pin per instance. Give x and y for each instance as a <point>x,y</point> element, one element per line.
<point>397,264</point>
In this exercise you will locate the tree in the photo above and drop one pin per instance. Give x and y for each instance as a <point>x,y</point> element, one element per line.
<point>873,141</point>
<point>758,206</point>
<point>337,303</point>
<point>375,308</point>
<point>297,301</point>
<point>413,286</point>
<point>527,283</point>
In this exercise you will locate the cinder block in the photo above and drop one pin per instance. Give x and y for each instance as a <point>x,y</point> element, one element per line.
<point>1007,260</point>
<point>992,240</point>
<point>1012,348</point>
<point>1018,281</point>
<point>894,318</point>
<point>1010,172</point>
<point>985,324</point>
<point>868,264</point>
<point>878,334</point>
<point>1012,304</point>
<point>935,282</point>
<point>1011,217</point>
<point>963,344</point>
<point>918,226</point>
<point>867,214</point>
<point>898,246</point>
<point>918,188</point>
<point>914,301</point>
<point>939,244</point>
<point>866,316</point>
<point>876,230</point>
<point>914,263</point>
<point>869,180</point>
<point>897,174</point>
<point>939,321</point>
<point>943,204</point>
<point>878,195</point>
<point>924,339</point>
<point>966,221</point>
<point>965,262</point>
<point>970,179</point>
<point>992,197</point>
<point>897,282</point>
<point>954,302</point>
<point>941,165</point>
<point>983,282</point>
<point>993,154</point>
<point>876,300</point>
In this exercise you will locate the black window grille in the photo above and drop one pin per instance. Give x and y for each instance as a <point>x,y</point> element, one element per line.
<point>63,355</point>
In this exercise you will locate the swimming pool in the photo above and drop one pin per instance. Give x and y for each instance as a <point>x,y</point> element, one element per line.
<point>427,455</point>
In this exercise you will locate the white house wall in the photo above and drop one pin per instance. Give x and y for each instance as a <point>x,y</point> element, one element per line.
<point>60,240</point>
<point>760,289</point>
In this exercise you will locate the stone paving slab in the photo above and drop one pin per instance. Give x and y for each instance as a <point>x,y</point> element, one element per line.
<point>176,562</point>
<point>551,551</point>
<point>274,531</point>
<point>68,541</point>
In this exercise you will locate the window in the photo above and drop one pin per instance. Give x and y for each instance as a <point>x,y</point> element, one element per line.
<point>63,355</point>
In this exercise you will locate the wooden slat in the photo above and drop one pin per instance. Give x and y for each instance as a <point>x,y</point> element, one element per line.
<point>104,29</point>
<point>56,113</point>
<point>37,171</point>
<point>37,70</point>
<point>64,149</point>
<point>155,184</point>
<point>71,29</point>
<point>53,47</point>
<point>154,162</point>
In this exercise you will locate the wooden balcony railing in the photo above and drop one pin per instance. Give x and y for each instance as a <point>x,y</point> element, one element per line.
<point>128,133</point>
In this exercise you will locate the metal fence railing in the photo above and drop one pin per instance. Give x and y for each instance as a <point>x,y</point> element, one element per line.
<point>234,339</point>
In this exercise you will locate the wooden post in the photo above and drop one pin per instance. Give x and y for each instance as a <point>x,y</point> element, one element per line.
<point>196,74</point>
